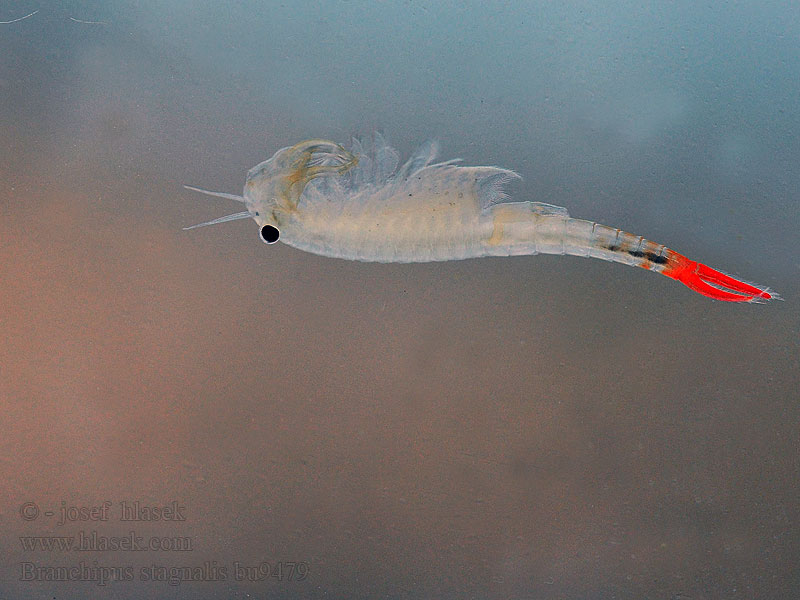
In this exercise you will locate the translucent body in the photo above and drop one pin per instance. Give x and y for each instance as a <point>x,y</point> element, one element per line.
<point>423,212</point>
<point>358,205</point>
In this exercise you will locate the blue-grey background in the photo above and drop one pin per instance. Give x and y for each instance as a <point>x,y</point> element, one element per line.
<point>532,427</point>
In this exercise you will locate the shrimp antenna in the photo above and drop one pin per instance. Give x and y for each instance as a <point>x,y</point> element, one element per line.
<point>18,20</point>
<point>240,215</point>
<point>217,194</point>
<point>234,217</point>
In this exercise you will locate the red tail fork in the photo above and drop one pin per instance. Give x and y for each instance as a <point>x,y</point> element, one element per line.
<point>712,283</point>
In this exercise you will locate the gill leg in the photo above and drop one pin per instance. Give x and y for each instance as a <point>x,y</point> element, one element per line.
<point>311,157</point>
<point>309,160</point>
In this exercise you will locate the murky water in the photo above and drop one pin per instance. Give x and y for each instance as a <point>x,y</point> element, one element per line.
<point>531,427</point>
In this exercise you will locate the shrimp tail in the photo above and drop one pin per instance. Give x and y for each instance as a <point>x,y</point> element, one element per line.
<point>712,283</point>
<point>600,241</point>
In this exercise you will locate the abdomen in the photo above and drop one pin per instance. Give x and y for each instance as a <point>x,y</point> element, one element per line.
<point>398,230</point>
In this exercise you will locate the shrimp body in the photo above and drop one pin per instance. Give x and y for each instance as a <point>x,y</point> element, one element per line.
<point>357,205</point>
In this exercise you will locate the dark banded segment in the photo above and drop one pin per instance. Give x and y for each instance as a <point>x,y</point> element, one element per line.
<point>620,246</point>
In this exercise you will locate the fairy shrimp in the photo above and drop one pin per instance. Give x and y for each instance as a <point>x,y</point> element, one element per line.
<point>356,204</point>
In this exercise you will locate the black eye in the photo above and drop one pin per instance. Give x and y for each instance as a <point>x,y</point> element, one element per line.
<point>270,234</point>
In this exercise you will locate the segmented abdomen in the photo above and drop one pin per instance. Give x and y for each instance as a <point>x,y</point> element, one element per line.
<point>452,231</point>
